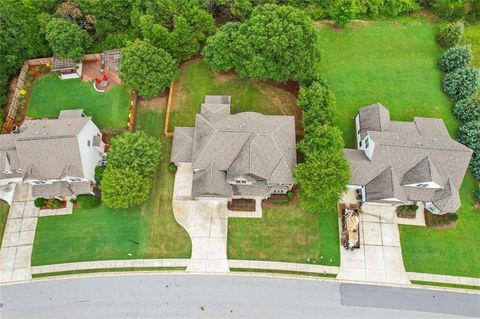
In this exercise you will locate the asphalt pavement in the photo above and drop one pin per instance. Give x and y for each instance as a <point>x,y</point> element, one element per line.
<point>222,296</point>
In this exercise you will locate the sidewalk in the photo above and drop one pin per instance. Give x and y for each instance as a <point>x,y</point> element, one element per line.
<point>110,264</point>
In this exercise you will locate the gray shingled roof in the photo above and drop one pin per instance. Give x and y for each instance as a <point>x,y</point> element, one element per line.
<point>374,117</point>
<point>61,189</point>
<point>243,144</point>
<point>45,148</point>
<point>182,144</point>
<point>419,151</point>
<point>447,199</point>
<point>212,182</point>
<point>385,186</point>
<point>423,171</point>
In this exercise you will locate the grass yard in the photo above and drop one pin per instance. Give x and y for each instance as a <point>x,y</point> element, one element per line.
<point>395,63</point>
<point>196,80</point>
<point>50,95</point>
<point>472,37</point>
<point>286,234</point>
<point>103,233</point>
<point>4,208</point>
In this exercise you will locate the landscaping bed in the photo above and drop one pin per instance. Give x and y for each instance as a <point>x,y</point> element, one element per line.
<point>241,205</point>
<point>407,211</point>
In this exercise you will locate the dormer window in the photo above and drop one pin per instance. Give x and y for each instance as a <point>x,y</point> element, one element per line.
<point>89,143</point>
<point>75,179</point>
<point>422,185</point>
<point>367,142</point>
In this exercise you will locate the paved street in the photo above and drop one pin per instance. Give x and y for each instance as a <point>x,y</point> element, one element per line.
<point>202,296</point>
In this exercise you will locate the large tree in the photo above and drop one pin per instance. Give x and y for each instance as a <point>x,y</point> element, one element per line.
<point>147,68</point>
<point>66,39</point>
<point>123,188</point>
<point>318,105</point>
<point>219,52</point>
<point>132,160</point>
<point>277,43</point>
<point>20,39</point>
<point>325,173</point>
<point>137,151</point>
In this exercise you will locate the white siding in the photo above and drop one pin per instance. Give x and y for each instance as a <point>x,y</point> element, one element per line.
<point>90,155</point>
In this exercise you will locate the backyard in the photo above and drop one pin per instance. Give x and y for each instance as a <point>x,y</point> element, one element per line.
<point>50,95</point>
<point>103,233</point>
<point>395,63</point>
<point>196,80</point>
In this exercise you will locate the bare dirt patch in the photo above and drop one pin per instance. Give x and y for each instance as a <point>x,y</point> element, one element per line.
<point>156,104</point>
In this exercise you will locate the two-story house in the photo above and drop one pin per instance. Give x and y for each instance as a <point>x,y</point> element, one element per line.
<point>240,155</point>
<point>406,162</point>
<point>56,156</point>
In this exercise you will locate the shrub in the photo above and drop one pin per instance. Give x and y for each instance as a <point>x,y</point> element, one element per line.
<point>449,10</point>
<point>475,166</point>
<point>318,104</point>
<point>39,202</point>
<point>344,11</point>
<point>450,35</point>
<point>87,201</point>
<point>289,195</point>
<point>467,110</point>
<point>53,203</point>
<point>461,83</point>
<point>172,168</point>
<point>455,58</point>
<point>469,135</point>
<point>99,174</point>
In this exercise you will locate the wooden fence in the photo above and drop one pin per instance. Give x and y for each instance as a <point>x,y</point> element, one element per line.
<point>13,106</point>
<point>167,114</point>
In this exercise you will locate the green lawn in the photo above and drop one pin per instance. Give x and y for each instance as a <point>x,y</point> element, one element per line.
<point>395,63</point>
<point>4,208</point>
<point>50,95</point>
<point>103,233</point>
<point>196,80</point>
<point>286,234</point>
<point>472,37</point>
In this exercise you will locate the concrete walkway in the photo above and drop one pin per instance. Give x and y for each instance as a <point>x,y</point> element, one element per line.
<point>206,221</point>
<point>111,264</point>
<point>17,243</point>
<point>379,258</point>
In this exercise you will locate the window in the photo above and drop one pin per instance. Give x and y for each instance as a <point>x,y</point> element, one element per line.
<point>360,143</point>
<point>358,132</point>
<point>38,182</point>
<point>367,141</point>
<point>422,185</point>
<point>89,143</point>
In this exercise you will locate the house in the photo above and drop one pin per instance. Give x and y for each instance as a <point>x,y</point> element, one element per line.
<point>406,162</point>
<point>56,156</point>
<point>242,155</point>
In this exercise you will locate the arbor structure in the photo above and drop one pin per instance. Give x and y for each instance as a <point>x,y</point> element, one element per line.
<point>147,68</point>
<point>66,39</point>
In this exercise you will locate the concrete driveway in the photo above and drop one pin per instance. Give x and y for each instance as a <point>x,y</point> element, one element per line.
<point>379,258</point>
<point>206,221</point>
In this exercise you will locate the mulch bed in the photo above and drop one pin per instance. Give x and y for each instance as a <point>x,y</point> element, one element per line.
<point>63,205</point>
<point>242,205</point>
<point>270,202</point>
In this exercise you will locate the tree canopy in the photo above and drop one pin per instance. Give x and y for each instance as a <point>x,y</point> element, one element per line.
<point>344,11</point>
<point>277,43</point>
<point>137,151</point>
<point>66,39</point>
<point>147,68</point>
<point>325,173</point>
<point>318,105</point>
<point>132,160</point>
